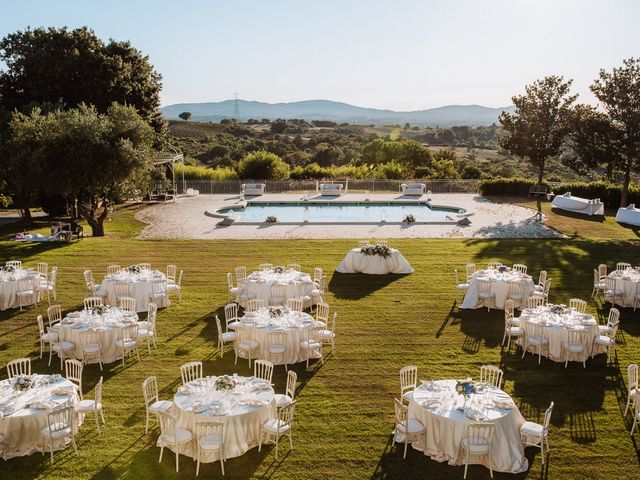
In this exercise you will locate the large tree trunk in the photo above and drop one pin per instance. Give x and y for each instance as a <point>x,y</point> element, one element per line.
<point>538,197</point>
<point>625,185</point>
<point>94,217</point>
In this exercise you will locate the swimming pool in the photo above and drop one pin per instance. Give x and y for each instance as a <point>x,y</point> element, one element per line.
<point>358,212</point>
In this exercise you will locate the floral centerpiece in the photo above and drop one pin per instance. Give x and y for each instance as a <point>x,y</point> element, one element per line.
<point>100,309</point>
<point>275,312</point>
<point>465,387</point>
<point>380,250</point>
<point>557,309</point>
<point>225,382</point>
<point>503,269</point>
<point>8,269</point>
<point>409,219</point>
<point>279,269</point>
<point>134,269</point>
<point>22,383</point>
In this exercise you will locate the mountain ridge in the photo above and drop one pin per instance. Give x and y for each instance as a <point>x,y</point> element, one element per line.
<point>447,115</point>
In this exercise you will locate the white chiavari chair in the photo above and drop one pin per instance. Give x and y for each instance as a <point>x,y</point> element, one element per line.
<point>43,269</point>
<point>534,338</point>
<point>598,284</point>
<point>144,266</point>
<point>614,317</point>
<point>408,382</point>
<point>535,435</point>
<point>209,438</point>
<point>602,271</point>
<point>14,263</point>
<point>317,293</point>
<point>121,290</point>
<point>245,345</point>
<point>278,426</point>
<point>290,391</point>
<point>172,436</point>
<point>409,428</point>
<point>294,266</point>
<point>231,318</point>
<point>576,344</point>
<point>511,330</point>
<point>73,372</point>
<point>19,366</point>
<point>295,304</point>
<point>127,341</point>
<point>172,270</point>
<point>329,333</point>
<point>277,346</point>
<point>578,305</point>
<point>190,371</point>
<point>48,286</point>
<point>461,288</point>
<point>477,442</point>
<point>633,388</point>
<point>223,337</point>
<point>158,293</point>
<point>62,348</point>
<point>26,293</point>
<point>147,331</point>
<point>152,402</point>
<point>317,275</point>
<point>44,337</point>
<point>91,302</point>
<point>516,292</point>
<point>176,286</point>
<point>492,375</point>
<point>312,343</point>
<point>278,294</point>
<point>265,266</point>
<point>233,291</point>
<point>263,370</point>
<point>322,314</point>
<point>254,305</point>
<point>606,341</point>
<point>612,293</point>
<point>128,304</point>
<point>486,296</point>
<point>535,301</point>
<point>54,314</point>
<point>622,266</point>
<point>241,275</point>
<point>470,270</point>
<point>91,346</point>
<point>542,278</point>
<point>113,269</point>
<point>84,407</point>
<point>363,243</point>
<point>544,293</point>
<point>494,265</point>
<point>519,267</point>
<point>60,426</point>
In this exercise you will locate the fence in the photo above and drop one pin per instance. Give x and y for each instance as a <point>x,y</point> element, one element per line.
<point>358,185</point>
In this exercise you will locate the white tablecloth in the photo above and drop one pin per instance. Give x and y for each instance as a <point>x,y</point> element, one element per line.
<point>436,406</point>
<point>578,205</point>
<point>139,287</point>
<point>358,262</point>
<point>499,286</point>
<point>25,413</point>
<point>9,287</point>
<point>297,284</point>
<point>294,324</point>
<point>627,281</point>
<point>556,328</point>
<point>108,325</point>
<point>630,216</point>
<point>242,411</point>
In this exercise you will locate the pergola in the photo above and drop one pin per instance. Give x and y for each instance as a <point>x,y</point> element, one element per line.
<point>169,158</point>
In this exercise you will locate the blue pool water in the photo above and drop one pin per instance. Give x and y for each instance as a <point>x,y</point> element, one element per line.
<point>342,212</point>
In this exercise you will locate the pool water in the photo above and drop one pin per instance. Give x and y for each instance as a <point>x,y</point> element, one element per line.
<point>343,212</point>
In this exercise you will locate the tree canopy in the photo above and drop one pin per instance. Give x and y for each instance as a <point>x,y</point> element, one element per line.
<point>263,165</point>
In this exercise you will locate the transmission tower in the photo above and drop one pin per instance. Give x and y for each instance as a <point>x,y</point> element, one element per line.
<point>236,107</point>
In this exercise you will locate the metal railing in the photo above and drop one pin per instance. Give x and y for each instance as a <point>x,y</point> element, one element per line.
<point>353,185</point>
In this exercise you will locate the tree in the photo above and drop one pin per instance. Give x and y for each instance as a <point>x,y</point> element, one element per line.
<point>540,122</point>
<point>66,68</point>
<point>185,116</point>
<point>619,94</point>
<point>279,126</point>
<point>263,165</point>
<point>88,157</point>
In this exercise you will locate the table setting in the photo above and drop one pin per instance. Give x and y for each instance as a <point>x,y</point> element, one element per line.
<point>297,284</point>
<point>627,281</point>
<point>139,281</point>
<point>445,407</point>
<point>556,322</point>
<point>374,260</point>
<point>105,320</point>
<point>241,403</point>
<point>25,401</point>
<point>500,278</point>
<point>10,278</point>
<point>280,319</point>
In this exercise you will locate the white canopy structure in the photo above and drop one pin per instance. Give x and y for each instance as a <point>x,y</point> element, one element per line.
<point>169,159</point>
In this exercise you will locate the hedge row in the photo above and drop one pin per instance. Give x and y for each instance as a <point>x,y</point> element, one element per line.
<point>608,193</point>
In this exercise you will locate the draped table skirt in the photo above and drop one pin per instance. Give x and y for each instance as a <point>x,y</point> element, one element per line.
<point>357,262</point>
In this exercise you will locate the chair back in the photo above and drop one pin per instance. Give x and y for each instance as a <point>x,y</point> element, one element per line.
<point>90,337</point>
<point>602,270</point>
<point>509,309</point>
<point>285,415</point>
<point>171,272</point>
<point>576,337</point>
<point>542,278</point>
<point>97,393</point>
<point>333,322</point>
<point>241,275</point>
<point>535,301</point>
<point>322,312</point>
<point>42,269</point>
<point>128,304</point>
<point>231,313</point>
<point>208,429</point>
<point>384,243</point>
<point>292,378</point>
<point>578,305</point>
<point>596,277</point>
<point>60,419</point>
<point>265,266</point>
<point>295,304</point>
<point>167,426</point>
<point>191,371</point>
<point>229,281</point>
<point>73,371</point>
<point>402,413</point>
<point>293,266</point>
<point>19,366</point>
<point>218,326</point>
<point>88,278</point>
<point>632,376</point>
<point>614,316</point>
<point>150,390</point>
<point>493,265</point>
<point>277,338</point>
<point>470,269</point>
<point>408,379</point>
<point>457,277</point>
<point>492,375</point>
<point>91,302</point>
<point>41,330</point>
<point>121,289</point>
<point>547,286</point>
<point>113,269</point>
<point>254,304</point>
<point>54,313</point>
<point>484,285</point>
<point>534,330</point>
<point>158,288</point>
<point>145,266</point>
<point>278,290</point>
<point>152,312</point>
<point>14,263</point>
<point>317,275</point>
<point>263,369</point>
<point>614,329</point>
<point>519,267</point>
<point>547,417</point>
<point>52,276</point>
<point>25,285</point>
<point>516,288</point>
<point>129,333</point>
<point>363,243</point>
<point>479,433</point>
<point>623,266</point>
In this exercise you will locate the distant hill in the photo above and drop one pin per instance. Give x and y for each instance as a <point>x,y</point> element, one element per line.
<point>473,115</point>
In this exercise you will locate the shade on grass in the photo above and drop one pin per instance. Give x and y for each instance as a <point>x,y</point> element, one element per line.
<point>344,414</point>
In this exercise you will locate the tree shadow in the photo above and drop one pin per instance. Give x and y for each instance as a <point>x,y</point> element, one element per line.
<point>354,286</point>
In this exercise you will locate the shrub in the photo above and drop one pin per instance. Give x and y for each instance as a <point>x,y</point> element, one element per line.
<point>263,165</point>
<point>197,172</point>
<point>608,193</point>
<point>507,186</point>
<point>271,219</point>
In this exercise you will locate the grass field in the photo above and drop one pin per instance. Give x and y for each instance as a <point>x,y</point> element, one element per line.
<point>345,407</point>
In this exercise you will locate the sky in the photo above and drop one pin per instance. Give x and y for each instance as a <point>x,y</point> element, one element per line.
<point>395,54</point>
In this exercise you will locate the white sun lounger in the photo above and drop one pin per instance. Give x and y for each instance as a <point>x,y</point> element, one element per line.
<point>253,189</point>
<point>332,189</point>
<point>413,189</point>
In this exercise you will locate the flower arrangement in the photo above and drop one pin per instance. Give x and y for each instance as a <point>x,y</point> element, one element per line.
<point>225,382</point>
<point>380,250</point>
<point>557,309</point>
<point>8,269</point>
<point>275,312</point>
<point>100,309</point>
<point>409,219</point>
<point>21,383</point>
<point>503,268</point>
<point>271,219</point>
<point>134,269</point>
<point>465,387</point>
<point>279,269</point>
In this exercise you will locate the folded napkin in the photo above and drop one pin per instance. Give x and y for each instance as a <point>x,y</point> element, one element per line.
<point>503,403</point>
<point>252,402</point>
<point>427,385</point>
<point>41,405</point>
<point>186,389</point>
<point>63,391</point>
<point>430,403</point>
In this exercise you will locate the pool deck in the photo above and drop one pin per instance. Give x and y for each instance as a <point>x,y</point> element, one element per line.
<point>187,218</point>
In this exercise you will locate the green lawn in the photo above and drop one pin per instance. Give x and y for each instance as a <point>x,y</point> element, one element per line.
<point>345,407</point>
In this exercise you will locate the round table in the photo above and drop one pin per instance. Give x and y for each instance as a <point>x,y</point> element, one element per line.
<point>358,262</point>
<point>436,405</point>
<point>259,283</point>
<point>242,410</point>
<point>9,286</point>
<point>108,325</point>
<point>25,413</point>
<point>556,327</point>
<point>627,281</point>
<point>139,287</point>
<point>293,323</point>
<point>499,285</point>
